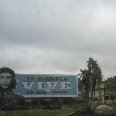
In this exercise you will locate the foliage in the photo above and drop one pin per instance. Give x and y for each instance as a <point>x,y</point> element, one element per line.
<point>95,74</point>
<point>90,77</point>
<point>110,82</point>
<point>86,79</point>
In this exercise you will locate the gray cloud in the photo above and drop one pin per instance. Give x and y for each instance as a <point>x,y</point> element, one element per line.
<point>57,36</point>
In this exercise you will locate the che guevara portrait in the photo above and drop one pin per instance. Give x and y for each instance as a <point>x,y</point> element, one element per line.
<point>8,98</point>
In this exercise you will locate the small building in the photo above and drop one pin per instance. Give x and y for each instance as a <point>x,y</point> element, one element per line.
<point>105,95</point>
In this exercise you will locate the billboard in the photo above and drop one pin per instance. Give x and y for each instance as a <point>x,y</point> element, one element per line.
<point>42,85</point>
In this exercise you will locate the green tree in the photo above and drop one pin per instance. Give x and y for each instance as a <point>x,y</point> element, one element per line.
<point>95,75</point>
<point>85,83</point>
<point>110,82</point>
<point>90,77</point>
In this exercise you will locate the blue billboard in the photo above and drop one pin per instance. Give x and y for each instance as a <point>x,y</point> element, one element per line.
<point>50,85</point>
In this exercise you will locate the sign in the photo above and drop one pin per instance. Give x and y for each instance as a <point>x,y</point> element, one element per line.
<point>40,85</point>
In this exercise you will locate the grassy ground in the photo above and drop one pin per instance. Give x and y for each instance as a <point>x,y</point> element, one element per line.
<point>39,112</point>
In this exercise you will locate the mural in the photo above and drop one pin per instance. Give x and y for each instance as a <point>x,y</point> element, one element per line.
<point>16,88</point>
<point>8,98</point>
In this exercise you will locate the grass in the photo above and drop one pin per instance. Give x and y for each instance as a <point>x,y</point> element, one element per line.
<point>40,112</point>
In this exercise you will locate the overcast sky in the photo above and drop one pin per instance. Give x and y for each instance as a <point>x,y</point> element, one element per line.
<point>57,36</point>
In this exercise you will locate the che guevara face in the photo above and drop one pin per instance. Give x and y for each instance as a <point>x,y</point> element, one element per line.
<point>5,80</point>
